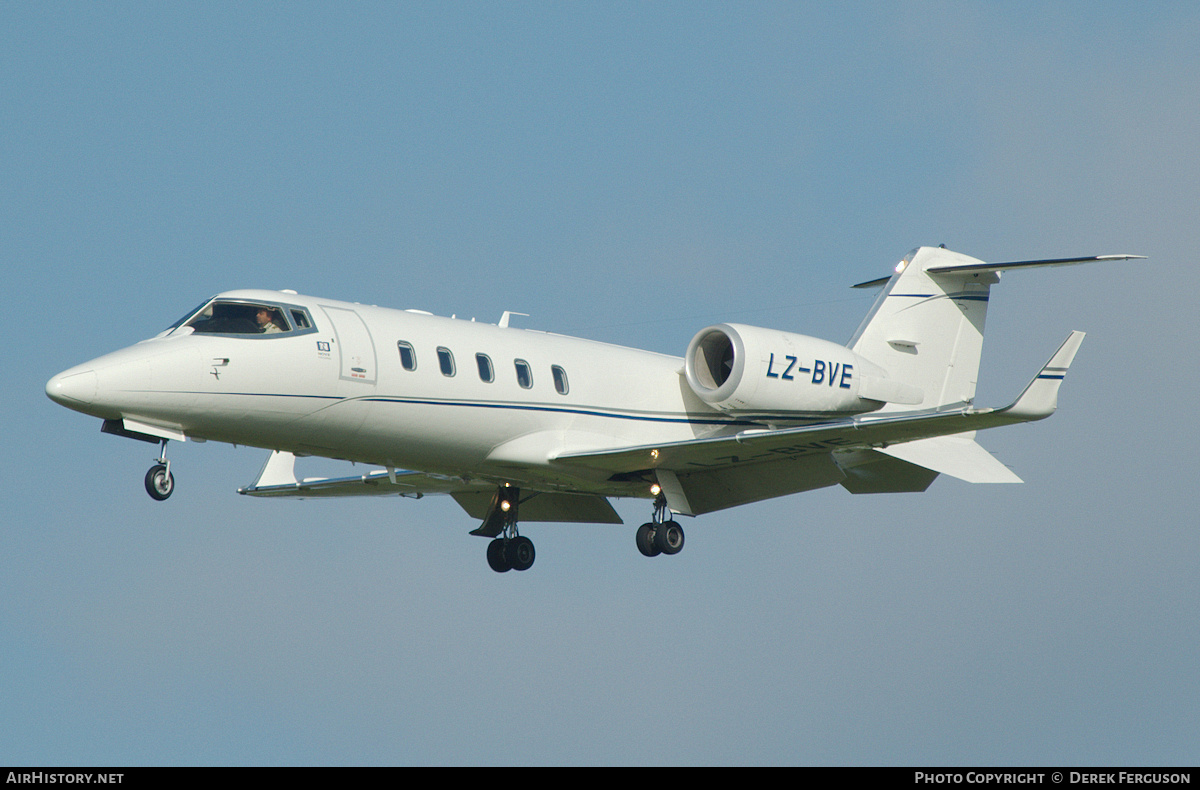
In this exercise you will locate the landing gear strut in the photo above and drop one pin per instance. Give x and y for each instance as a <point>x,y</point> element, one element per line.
<point>160,483</point>
<point>660,535</point>
<point>509,551</point>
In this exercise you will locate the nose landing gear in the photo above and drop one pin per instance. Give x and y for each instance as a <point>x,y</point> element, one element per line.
<point>160,483</point>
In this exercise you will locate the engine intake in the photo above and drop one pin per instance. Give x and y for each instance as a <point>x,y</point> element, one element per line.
<point>765,372</point>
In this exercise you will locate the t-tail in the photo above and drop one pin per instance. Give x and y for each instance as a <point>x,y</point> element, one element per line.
<point>926,327</point>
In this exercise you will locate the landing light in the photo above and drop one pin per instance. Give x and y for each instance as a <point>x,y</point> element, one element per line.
<point>655,489</point>
<point>900,266</point>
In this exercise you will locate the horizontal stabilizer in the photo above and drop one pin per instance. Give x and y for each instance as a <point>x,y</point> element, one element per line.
<point>957,456</point>
<point>982,267</point>
<point>1010,265</point>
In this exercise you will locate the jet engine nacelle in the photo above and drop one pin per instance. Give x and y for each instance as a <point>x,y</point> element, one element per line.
<point>740,368</point>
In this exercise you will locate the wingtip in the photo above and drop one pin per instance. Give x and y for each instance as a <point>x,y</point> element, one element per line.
<point>872,283</point>
<point>1040,398</point>
<point>278,470</point>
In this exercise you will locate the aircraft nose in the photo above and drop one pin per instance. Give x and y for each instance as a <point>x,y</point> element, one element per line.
<point>73,388</point>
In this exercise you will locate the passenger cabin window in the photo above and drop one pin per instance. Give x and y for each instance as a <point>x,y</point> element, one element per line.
<point>524,374</point>
<point>445,361</point>
<point>408,357</point>
<point>560,379</point>
<point>486,373</point>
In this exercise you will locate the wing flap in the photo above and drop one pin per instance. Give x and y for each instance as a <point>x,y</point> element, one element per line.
<point>729,486</point>
<point>872,472</point>
<point>545,506</point>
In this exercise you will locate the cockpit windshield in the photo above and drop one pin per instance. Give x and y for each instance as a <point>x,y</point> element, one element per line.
<point>238,317</point>
<point>186,316</point>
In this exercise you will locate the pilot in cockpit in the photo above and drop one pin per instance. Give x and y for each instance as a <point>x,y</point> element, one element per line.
<point>268,321</point>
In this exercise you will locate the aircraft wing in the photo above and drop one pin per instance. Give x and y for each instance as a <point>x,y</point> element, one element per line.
<point>278,479</point>
<point>896,451</point>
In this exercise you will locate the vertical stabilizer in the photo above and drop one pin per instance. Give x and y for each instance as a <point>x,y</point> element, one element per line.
<point>926,328</point>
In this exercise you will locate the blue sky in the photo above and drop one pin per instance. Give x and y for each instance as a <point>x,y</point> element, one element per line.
<point>629,172</point>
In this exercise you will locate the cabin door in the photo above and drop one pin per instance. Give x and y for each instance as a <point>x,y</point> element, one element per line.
<point>354,345</point>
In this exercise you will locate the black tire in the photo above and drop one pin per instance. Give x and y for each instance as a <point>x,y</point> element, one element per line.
<point>645,540</point>
<point>495,556</point>
<point>519,553</point>
<point>669,537</point>
<point>160,483</point>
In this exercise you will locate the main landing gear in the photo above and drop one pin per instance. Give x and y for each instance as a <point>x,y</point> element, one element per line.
<point>508,550</point>
<point>160,483</point>
<point>661,535</point>
<point>510,554</point>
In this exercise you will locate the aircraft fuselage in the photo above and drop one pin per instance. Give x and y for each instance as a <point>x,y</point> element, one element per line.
<point>522,425</point>
<point>479,399</point>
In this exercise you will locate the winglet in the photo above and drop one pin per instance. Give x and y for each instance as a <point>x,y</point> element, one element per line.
<point>279,470</point>
<point>1040,398</point>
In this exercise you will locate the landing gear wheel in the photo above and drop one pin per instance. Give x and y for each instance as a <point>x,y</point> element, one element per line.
<point>495,556</point>
<point>160,483</point>
<point>668,538</point>
<point>645,540</point>
<point>519,553</point>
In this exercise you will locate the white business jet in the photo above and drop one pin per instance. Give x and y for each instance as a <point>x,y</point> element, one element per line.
<point>521,425</point>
